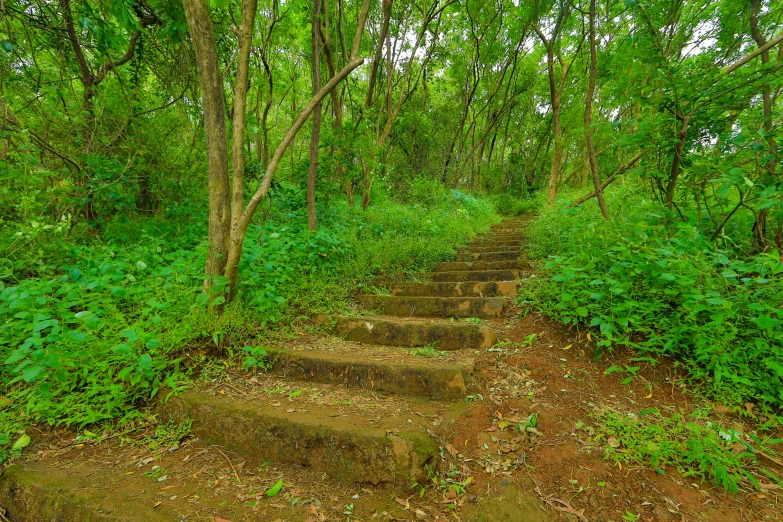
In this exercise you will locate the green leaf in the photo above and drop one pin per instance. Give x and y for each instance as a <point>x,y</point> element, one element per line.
<point>220,280</point>
<point>31,373</point>
<point>121,349</point>
<point>53,360</point>
<point>145,361</point>
<point>141,265</point>
<point>274,490</point>
<point>152,344</point>
<point>130,334</point>
<point>766,322</point>
<point>21,443</point>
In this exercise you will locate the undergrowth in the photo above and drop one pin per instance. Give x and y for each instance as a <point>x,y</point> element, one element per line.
<point>92,330</point>
<point>689,442</point>
<point>658,285</point>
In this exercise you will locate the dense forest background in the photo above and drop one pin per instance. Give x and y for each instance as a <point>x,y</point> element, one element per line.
<point>296,148</point>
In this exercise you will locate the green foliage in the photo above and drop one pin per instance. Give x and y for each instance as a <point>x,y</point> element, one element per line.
<point>658,285</point>
<point>695,446</point>
<point>91,332</point>
<point>427,351</point>
<point>510,206</point>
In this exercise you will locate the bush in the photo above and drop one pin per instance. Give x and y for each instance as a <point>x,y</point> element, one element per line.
<point>511,206</point>
<point>665,289</point>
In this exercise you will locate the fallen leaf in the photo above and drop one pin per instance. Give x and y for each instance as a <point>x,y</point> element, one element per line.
<point>589,338</point>
<point>613,442</point>
<point>567,508</point>
<point>274,490</point>
<point>21,443</point>
<point>567,347</point>
<point>649,396</point>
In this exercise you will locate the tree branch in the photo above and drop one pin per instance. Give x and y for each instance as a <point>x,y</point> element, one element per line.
<point>610,179</point>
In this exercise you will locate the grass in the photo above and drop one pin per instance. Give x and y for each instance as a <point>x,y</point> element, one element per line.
<point>690,443</point>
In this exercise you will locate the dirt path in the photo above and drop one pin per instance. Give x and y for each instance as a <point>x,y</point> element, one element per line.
<point>437,401</point>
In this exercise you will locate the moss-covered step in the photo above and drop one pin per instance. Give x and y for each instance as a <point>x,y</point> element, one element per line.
<point>481,275</point>
<point>495,243</point>
<point>506,236</point>
<point>467,266</point>
<point>444,335</point>
<point>513,228</point>
<point>32,492</point>
<point>406,306</point>
<point>383,447</point>
<point>473,249</point>
<point>489,256</point>
<point>400,373</point>
<point>456,289</point>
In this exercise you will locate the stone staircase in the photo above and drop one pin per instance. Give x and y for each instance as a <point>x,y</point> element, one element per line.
<point>363,406</point>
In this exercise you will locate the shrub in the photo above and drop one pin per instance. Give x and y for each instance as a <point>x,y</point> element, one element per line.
<point>665,289</point>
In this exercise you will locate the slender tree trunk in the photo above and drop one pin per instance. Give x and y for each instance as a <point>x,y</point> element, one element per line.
<point>239,122</point>
<point>760,227</point>
<point>200,27</point>
<point>557,154</point>
<point>599,191</point>
<point>315,135</point>
<point>677,161</point>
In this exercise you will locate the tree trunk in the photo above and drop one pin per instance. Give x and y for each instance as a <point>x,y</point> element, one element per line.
<point>676,162</point>
<point>315,135</point>
<point>599,191</point>
<point>200,26</point>
<point>557,154</point>
<point>760,227</point>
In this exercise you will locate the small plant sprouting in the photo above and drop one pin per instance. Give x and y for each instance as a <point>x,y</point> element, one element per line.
<point>257,358</point>
<point>428,351</point>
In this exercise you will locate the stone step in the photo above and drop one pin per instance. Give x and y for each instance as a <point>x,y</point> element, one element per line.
<point>32,492</point>
<point>501,236</point>
<point>405,306</point>
<point>352,438</point>
<point>401,332</point>
<point>482,275</point>
<point>465,266</point>
<point>376,368</point>
<point>511,227</point>
<point>478,244</point>
<point>490,248</point>
<point>457,289</point>
<point>490,256</point>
